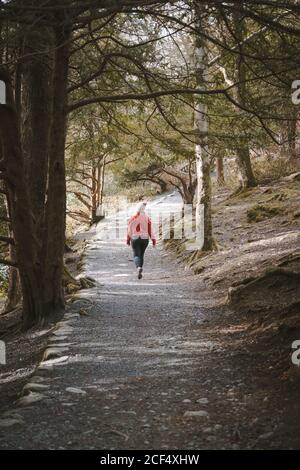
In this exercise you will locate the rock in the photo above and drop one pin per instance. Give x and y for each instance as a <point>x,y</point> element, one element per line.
<point>58,338</point>
<point>13,415</point>
<point>63,324</point>
<point>218,427</point>
<point>76,390</point>
<point>266,435</point>
<point>52,352</point>
<point>35,387</point>
<point>202,401</point>
<point>196,414</point>
<point>31,398</point>
<point>63,331</point>
<point>70,316</point>
<point>207,430</point>
<point>51,362</point>
<point>8,422</point>
<point>37,379</point>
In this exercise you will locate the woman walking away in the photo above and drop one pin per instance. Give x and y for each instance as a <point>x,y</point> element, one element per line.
<point>138,233</point>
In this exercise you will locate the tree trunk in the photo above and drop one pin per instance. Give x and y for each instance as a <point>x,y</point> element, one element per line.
<point>101,181</point>
<point>36,117</point>
<point>203,161</point>
<point>188,193</point>
<point>94,193</point>
<point>21,215</point>
<point>289,136</point>
<point>56,199</point>
<point>14,294</point>
<point>247,177</point>
<point>220,171</point>
<point>243,153</point>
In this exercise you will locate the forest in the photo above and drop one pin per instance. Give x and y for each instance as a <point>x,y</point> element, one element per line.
<point>191,101</point>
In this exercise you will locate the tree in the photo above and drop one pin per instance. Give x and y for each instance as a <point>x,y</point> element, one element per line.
<point>126,46</point>
<point>203,158</point>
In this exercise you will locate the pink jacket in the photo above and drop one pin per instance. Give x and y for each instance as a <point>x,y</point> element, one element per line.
<point>140,225</point>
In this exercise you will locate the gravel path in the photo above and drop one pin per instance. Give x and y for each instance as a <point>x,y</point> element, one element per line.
<point>143,367</point>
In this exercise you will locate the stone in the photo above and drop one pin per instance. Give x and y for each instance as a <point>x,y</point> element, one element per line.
<point>64,331</point>
<point>202,401</point>
<point>8,422</point>
<point>52,352</point>
<point>62,324</point>
<point>51,362</point>
<point>69,316</point>
<point>76,390</point>
<point>218,427</point>
<point>31,398</point>
<point>58,338</point>
<point>37,379</point>
<point>207,430</point>
<point>35,387</point>
<point>266,435</point>
<point>196,414</point>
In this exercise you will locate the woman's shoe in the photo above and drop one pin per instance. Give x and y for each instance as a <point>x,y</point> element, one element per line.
<point>140,273</point>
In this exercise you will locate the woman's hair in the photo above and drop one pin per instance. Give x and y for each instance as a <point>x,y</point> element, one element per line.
<point>141,207</point>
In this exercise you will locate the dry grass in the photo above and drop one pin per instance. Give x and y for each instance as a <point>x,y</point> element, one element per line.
<point>268,170</point>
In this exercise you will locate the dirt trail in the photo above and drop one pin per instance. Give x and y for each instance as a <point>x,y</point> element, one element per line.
<point>146,367</point>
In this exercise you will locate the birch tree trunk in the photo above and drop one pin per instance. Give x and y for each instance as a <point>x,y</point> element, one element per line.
<point>95,191</point>
<point>204,233</point>
<point>101,176</point>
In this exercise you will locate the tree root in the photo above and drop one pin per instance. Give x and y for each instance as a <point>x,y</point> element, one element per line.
<point>236,290</point>
<point>72,284</point>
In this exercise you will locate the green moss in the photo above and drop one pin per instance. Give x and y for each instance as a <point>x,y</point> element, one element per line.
<point>262,212</point>
<point>242,193</point>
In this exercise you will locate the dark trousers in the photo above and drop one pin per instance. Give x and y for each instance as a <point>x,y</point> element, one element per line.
<point>139,246</point>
